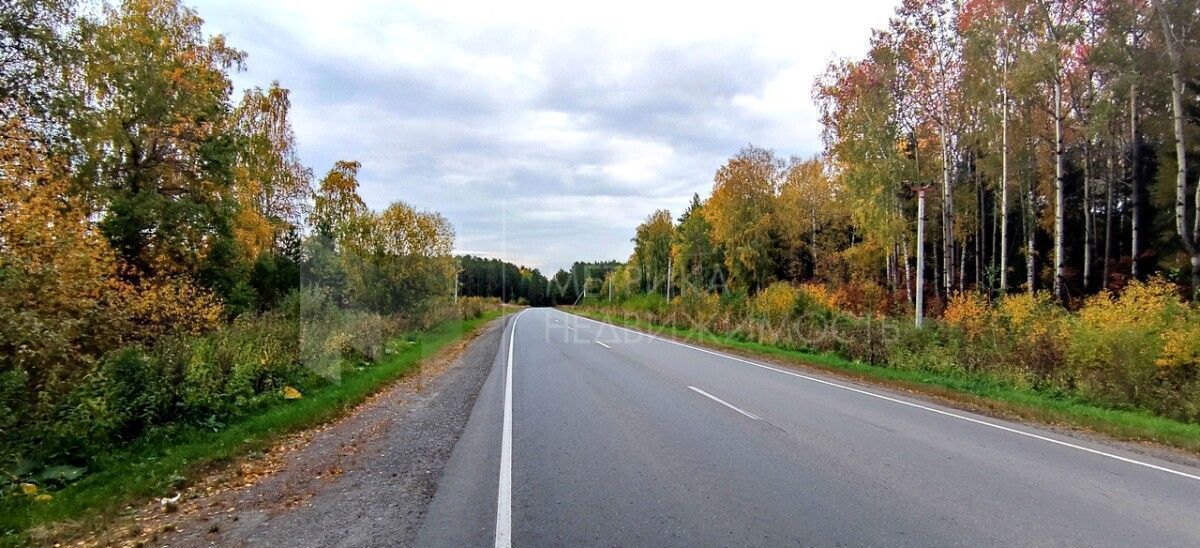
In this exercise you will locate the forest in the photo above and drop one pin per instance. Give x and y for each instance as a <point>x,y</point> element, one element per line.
<point>167,262</point>
<point>1057,146</point>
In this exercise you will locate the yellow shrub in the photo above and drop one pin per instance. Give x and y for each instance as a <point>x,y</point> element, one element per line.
<point>776,303</point>
<point>1120,342</point>
<point>161,305</point>
<point>1141,305</point>
<point>1181,346</point>
<point>1032,318</point>
<point>820,295</point>
<point>968,311</point>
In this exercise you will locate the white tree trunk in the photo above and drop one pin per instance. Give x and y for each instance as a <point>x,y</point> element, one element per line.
<point>1135,187</point>
<point>1058,192</point>
<point>1031,236</point>
<point>1004,193</point>
<point>947,216</point>
<point>1108,207</point>
<point>908,283</point>
<point>920,256</point>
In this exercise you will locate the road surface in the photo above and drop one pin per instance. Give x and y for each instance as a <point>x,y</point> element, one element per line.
<point>586,434</point>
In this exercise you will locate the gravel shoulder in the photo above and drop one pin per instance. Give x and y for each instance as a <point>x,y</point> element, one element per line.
<point>365,480</point>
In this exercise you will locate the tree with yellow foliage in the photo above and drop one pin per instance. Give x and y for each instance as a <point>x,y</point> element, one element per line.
<point>741,212</point>
<point>271,186</point>
<point>810,218</point>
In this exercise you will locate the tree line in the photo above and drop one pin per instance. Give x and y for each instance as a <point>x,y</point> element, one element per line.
<point>483,277</point>
<point>1056,142</point>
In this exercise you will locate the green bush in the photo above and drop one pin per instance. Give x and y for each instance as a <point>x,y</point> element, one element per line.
<point>695,308</point>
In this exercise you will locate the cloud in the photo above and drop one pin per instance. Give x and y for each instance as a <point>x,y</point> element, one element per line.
<point>544,132</point>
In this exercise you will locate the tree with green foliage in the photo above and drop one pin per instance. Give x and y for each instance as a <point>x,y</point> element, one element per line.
<point>157,150</point>
<point>698,260</point>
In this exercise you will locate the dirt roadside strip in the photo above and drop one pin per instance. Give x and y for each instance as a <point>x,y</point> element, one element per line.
<point>364,480</point>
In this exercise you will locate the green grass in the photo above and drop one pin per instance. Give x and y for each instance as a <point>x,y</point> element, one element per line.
<point>157,467</point>
<point>973,391</point>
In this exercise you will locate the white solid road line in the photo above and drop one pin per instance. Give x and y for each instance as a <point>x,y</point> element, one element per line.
<point>602,344</point>
<point>725,403</point>
<point>910,404</point>
<point>504,491</point>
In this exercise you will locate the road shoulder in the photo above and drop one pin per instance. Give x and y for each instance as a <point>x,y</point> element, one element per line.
<point>366,479</point>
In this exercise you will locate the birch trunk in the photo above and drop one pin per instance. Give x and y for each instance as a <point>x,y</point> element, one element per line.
<point>814,241</point>
<point>1031,228</point>
<point>1108,207</point>
<point>1058,192</point>
<point>1004,192</point>
<point>920,312</point>
<point>908,283</point>
<point>1135,186</point>
<point>947,216</point>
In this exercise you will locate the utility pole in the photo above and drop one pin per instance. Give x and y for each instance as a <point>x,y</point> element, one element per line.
<point>457,271</point>
<point>921,253</point>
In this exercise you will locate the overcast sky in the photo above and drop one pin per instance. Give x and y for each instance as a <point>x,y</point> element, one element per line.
<point>544,132</point>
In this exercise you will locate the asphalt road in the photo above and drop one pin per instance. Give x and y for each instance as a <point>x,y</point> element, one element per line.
<point>616,438</point>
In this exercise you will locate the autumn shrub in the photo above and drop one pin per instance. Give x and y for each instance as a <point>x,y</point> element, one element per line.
<point>1125,348</point>
<point>861,298</point>
<point>155,306</point>
<point>816,299</point>
<point>862,339</point>
<point>734,305</point>
<point>970,312</point>
<point>695,309</point>
<point>651,303</point>
<point>193,380</point>
<point>971,335</point>
<point>776,304</point>
<point>1034,332</point>
<point>1137,349</point>
<point>1181,344</point>
<point>474,307</point>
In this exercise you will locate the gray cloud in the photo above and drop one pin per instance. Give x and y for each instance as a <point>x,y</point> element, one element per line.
<point>542,137</point>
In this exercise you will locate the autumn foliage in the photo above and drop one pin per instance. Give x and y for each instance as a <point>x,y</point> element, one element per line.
<point>165,260</point>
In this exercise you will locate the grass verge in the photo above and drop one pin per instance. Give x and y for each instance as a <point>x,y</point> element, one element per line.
<point>971,392</point>
<point>155,467</point>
